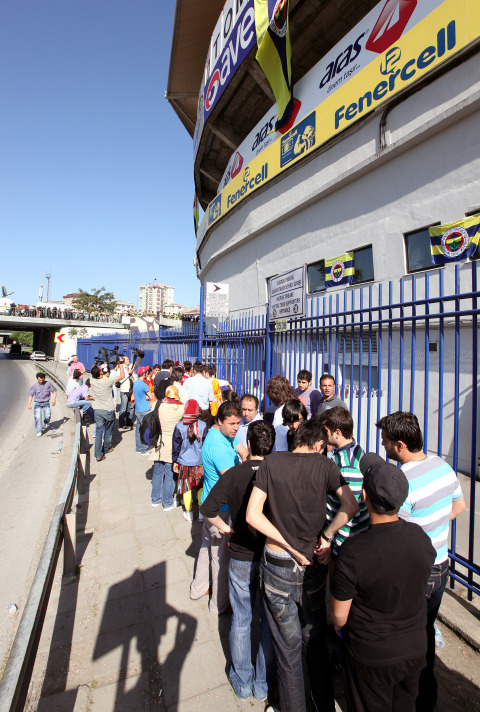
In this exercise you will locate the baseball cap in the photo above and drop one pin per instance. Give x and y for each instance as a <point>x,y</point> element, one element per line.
<point>143,369</point>
<point>385,484</point>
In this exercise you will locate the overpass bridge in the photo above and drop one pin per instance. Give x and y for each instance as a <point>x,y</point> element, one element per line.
<point>46,322</point>
<point>44,325</point>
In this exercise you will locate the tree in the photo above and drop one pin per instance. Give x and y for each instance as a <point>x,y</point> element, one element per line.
<point>94,302</point>
<point>23,337</point>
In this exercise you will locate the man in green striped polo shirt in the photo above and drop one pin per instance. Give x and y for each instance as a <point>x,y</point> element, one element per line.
<point>346,454</point>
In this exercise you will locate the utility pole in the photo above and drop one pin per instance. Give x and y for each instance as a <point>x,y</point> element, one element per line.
<point>48,276</point>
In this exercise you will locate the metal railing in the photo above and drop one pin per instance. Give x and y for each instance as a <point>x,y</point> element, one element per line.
<point>64,314</point>
<point>15,680</point>
<point>410,344</point>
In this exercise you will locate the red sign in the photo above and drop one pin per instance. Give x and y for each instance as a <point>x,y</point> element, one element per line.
<point>390,25</point>
<point>237,164</point>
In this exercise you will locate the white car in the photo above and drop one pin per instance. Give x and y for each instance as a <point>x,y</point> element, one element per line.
<point>37,356</point>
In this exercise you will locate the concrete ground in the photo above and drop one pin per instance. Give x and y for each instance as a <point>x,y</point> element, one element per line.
<point>32,474</point>
<point>124,634</point>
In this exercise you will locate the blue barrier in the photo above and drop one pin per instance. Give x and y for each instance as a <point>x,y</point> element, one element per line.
<point>415,349</point>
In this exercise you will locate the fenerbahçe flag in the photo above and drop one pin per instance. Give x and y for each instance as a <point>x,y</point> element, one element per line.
<point>340,270</point>
<point>455,241</point>
<point>274,53</point>
<point>195,212</point>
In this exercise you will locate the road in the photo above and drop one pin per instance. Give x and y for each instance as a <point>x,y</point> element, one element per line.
<point>31,479</point>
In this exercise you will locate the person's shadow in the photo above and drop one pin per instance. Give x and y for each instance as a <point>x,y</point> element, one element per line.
<point>160,682</point>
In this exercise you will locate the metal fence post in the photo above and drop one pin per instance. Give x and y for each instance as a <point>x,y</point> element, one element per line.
<point>268,352</point>
<point>200,325</point>
<point>159,354</point>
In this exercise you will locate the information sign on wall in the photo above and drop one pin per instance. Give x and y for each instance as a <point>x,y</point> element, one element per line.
<point>287,295</point>
<point>216,299</point>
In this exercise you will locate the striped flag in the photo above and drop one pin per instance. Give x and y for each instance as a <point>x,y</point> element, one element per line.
<point>195,212</point>
<point>274,53</point>
<point>456,241</point>
<point>340,270</point>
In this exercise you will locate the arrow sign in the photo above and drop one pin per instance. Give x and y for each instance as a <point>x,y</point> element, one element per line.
<point>216,299</point>
<point>60,338</point>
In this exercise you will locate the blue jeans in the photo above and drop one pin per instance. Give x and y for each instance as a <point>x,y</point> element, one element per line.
<point>85,405</point>
<point>295,608</point>
<point>38,409</point>
<point>427,687</point>
<point>139,446</point>
<point>163,484</point>
<point>243,585</point>
<point>126,412</point>
<point>104,422</point>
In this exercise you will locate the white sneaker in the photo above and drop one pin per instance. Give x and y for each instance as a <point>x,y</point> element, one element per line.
<point>39,435</point>
<point>188,516</point>
<point>172,506</point>
<point>200,517</point>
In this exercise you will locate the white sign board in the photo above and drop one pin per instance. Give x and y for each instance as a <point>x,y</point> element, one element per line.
<point>287,295</point>
<point>216,299</point>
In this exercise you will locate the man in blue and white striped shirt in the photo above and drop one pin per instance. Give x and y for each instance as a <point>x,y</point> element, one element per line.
<point>434,499</point>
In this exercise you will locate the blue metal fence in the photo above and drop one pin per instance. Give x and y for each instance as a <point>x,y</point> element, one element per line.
<point>410,344</point>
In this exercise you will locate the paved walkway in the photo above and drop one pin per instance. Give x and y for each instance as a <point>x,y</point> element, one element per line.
<point>125,636</point>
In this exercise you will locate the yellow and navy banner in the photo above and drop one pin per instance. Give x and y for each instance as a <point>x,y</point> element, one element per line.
<point>456,241</point>
<point>274,53</point>
<point>195,212</point>
<point>340,270</point>
<point>444,32</point>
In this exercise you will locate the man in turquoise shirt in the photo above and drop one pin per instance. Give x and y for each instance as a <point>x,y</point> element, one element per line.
<point>220,452</point>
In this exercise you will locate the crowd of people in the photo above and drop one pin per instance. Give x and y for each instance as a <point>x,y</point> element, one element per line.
<point>291,504</point>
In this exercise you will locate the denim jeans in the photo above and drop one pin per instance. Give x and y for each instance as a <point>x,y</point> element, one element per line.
<point>163,484</point>
<point>295,608</point>
<point>104,422</point>
<point>126,412</point>
<point>38,409</point>
<point>243,584</point>
<point>86,407</point>
<point>427,688</point>
<point>139,446</point>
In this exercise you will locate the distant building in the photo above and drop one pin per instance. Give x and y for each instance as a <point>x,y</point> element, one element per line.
<point>154,297</point>
<point>173,308</point>
<point>68,298</point>
<point>123,307</point>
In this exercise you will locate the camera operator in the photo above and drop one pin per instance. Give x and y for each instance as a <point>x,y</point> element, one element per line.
<point>125,386</point>
<point>104,407</point>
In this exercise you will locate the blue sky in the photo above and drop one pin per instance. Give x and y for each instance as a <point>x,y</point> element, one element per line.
<point>96,175</point>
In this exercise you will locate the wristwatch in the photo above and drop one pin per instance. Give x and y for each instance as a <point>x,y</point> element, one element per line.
<point>328,539</point>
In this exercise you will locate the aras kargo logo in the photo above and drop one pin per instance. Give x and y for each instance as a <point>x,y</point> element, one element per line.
<point>390,25</point>
<point>236,165</point>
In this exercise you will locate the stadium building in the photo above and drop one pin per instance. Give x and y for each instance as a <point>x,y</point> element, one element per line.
<point>384,143</point>
<point>355,228</point>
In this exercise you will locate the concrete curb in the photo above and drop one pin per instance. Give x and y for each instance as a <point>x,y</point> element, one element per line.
<point>462,617</point>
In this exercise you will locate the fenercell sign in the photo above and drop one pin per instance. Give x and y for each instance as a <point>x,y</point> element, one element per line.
<point>373,35</point>
<point>445,31</point>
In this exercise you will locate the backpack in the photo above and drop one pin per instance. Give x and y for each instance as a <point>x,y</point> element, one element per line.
<point>150,428</point>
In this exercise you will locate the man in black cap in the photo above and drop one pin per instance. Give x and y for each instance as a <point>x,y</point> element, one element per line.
<point>378,597</point>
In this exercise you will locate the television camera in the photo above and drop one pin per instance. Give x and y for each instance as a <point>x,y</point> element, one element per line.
<point>113,358</point>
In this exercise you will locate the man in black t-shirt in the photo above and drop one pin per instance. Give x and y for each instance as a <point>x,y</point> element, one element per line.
<point>246,547</point>
<point>293,487</point>
<point>379,599</point>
